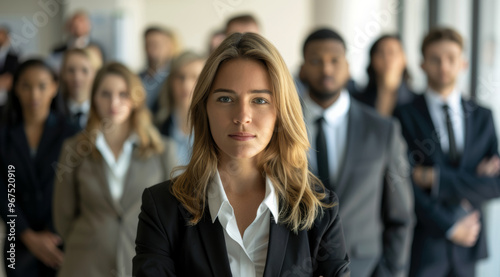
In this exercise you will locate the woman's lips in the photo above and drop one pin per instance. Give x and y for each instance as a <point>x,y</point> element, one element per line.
<point>242,136</point>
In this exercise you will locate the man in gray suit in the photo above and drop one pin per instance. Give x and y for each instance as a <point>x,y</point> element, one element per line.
<point>361,156</point>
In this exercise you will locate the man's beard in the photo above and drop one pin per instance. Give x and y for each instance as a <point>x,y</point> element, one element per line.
<point>323,96</point>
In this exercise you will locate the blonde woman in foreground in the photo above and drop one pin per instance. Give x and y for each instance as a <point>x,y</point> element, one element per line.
<point>246,204</point>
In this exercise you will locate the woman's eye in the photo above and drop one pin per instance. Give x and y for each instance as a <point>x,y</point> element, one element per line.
<point>123,94</point>
<point>224,99</point>
<point>261,101</point>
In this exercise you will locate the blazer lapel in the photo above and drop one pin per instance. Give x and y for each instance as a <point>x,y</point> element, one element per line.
<point>18,137</point>
<point>276,250</point>
<point>468,108</point>
<point>354,130</point>
<point>212,237</point>
<point>100,174</point>
<point>426,125</point>
<point>134,182</point>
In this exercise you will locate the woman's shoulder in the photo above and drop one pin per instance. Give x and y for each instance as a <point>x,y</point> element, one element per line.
<point>160,195</point>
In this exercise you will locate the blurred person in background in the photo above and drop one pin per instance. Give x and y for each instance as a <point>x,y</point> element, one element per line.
<point>361,156</point>
<point>175,100</point>
<point>245,23</point>
<point>78,28</point>
<point>387,76</point>
<point>215,40</point>
<point>9,61</point>
<point>453,151</point>
<point>161,46</point>
<point>77,74</point>
<point>101,174</point>
<point>30,142</point>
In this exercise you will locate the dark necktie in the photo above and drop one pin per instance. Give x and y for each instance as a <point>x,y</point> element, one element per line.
<point>453,152</point>
<point>78,118</point>
<point>322,153</point>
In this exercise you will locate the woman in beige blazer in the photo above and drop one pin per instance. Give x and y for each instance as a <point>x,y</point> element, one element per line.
<point>101,174</point>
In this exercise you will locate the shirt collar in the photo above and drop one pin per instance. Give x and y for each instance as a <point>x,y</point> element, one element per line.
<point>75,107</point>
<point>105,150</point>
<point>218,201</point>
<point>453,101</point>
<point>333,114</point>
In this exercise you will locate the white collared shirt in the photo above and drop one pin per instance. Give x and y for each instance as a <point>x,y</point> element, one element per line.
<point>116,169</point>
<point>335,128</point>
<point>435,104</point>
<point>84,108</point>
<point>247,255</point>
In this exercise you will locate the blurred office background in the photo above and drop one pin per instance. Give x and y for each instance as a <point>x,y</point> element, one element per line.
<point>37,26</point>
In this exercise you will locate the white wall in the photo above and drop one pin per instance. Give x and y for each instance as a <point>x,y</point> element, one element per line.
<point>283,22</point>
<point>360,23</point>
<point>35,25</point>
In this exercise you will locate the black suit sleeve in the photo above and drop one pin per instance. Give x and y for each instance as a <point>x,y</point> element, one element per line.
<point>397,209</point>
<point>332,258</point>
<point>153,247</point>
<point>456,183</point>
<point>428,210</point>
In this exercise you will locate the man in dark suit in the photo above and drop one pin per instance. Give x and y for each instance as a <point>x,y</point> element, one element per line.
<point>454,154</point>
<point>361,157</point>
<point>78,27</point>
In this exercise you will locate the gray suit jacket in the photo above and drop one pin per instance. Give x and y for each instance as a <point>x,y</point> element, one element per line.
<point>375,195</point>
<point>99,233</point>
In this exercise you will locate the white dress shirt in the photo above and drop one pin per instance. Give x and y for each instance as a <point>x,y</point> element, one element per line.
<point>116,169</point>
<point>435,104</point>
<point>335,128</point>
<point>247,255</point>
<point>84,108</point>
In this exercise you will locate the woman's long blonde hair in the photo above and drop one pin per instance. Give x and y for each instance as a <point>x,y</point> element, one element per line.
<point>140,118</point>
<point>284,160</point>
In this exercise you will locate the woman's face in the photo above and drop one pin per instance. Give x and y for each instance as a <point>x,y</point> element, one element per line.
<point>240,109</point>
<point>78,76</point>
<point>35,89</point>
<point>112,99</point>
<point>183,83</point>
<point>389,57</point>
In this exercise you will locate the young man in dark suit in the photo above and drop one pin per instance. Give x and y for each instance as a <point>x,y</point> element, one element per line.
<point>361,156</point>
<point>453,151</point>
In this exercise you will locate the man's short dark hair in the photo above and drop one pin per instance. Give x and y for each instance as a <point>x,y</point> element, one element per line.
<point>243,19</point>
<point>323,34</point>
<point>157,29</point>
<point>440,34</point>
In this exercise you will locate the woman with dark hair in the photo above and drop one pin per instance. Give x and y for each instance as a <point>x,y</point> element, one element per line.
<point>387,76</point>
<point>30,142</point>
<point>246,204</point>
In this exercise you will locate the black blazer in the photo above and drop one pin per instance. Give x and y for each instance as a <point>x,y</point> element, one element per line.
<point>437,213</point>
<point>34,180</point>
<point>10,64</point>
<point>370,94</point>
<point>167,246</point>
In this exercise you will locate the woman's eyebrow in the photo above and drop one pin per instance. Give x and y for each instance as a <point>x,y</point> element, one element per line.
<point>252,91</point>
